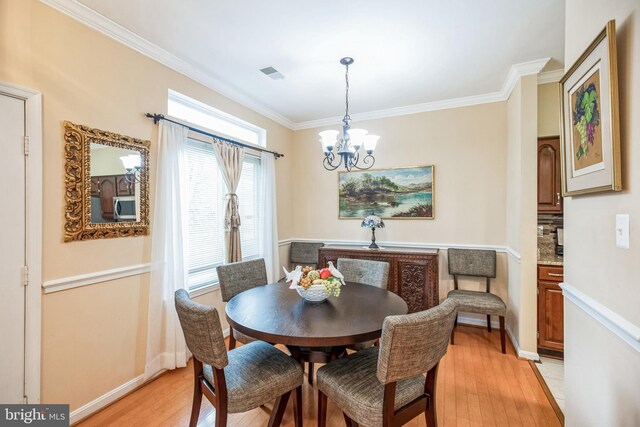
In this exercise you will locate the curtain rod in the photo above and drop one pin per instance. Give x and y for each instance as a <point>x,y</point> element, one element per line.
<point>157,117</point>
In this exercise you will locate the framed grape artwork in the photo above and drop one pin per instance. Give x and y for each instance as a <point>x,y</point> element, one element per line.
<point>590,126</point>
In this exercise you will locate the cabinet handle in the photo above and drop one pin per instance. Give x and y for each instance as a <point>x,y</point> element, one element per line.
<point>558,196</point>
<point>555,274</point>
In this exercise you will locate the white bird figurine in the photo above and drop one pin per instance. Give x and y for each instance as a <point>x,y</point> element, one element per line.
<point>293,276</point>
<point>335,273</point>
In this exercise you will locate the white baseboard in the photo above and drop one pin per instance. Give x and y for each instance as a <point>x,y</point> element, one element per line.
<point>478,320</point>
<point>530,355</point>
<point>107,398</point>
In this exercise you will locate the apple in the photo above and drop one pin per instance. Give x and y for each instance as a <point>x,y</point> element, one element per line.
<point>325,273</point>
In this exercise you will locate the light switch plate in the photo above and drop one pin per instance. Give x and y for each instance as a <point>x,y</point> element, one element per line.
<point>622,231</point>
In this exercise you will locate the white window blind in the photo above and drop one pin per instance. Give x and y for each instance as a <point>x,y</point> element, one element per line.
<point>205,244</point>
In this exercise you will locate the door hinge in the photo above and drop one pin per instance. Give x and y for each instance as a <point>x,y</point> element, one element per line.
<point>25,275</point>
<point>26,145</point>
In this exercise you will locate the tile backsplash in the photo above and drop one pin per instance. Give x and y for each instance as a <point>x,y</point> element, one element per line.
<point>547,233</point>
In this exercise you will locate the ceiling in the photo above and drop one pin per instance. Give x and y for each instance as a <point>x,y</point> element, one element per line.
<point>424,51</point>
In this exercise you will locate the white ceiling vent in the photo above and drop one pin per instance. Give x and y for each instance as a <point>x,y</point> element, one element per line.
<point>272,73</point>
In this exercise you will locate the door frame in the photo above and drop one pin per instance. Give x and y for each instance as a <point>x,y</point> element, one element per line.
<point>33,171</point>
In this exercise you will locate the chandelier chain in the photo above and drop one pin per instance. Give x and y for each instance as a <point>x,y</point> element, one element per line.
<point>346,96</point>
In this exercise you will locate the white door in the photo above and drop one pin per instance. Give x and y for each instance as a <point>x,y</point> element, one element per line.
<point>12,249</point>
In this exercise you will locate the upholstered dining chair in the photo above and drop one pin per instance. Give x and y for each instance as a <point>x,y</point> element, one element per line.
<point>304,253</point>
<point>241,379</point>
<point>364,271</point>
<point>238,277</point>
<point>476,263</point>
<point>385,385</point>
<point>372,273</point>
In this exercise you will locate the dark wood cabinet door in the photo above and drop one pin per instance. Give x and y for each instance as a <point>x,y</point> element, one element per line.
<point>549,181</point>
<point>550,309</point>
<point>95,186</point>
<point>124,187</point>
<point>107,193</point>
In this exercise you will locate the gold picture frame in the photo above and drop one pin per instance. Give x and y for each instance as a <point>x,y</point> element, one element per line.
<point>77,151</point>
<point>363,210</point>
<point>590,137</point>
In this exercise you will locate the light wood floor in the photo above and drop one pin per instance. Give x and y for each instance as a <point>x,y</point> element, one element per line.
<point>477,386</point>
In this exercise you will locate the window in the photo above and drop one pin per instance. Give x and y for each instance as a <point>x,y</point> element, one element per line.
<point>205,242</point>
<point>205,238</point>
<point>188,109</point>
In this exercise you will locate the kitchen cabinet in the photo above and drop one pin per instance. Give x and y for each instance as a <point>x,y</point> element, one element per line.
<point>549,181</point>
<point>124,187</point>
<point>550,310</point>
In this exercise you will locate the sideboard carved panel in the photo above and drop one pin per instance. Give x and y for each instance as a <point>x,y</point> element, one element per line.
<point>413,273</point>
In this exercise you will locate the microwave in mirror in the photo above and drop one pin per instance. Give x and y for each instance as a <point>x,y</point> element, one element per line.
<point>124,208</point>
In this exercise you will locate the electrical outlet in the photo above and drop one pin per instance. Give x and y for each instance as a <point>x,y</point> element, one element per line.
<point>622,231</point>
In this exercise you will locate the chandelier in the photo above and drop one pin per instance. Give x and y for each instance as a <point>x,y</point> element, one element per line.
<point>132,166</point>
<point>346,150</point>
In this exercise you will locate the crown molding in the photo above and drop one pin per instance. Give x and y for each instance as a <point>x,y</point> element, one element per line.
<point>515,72</point>
<point>553,76</point>
<point>104,25</point>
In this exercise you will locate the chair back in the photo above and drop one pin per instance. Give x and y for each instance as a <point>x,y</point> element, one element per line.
<point>372,273</point>
<point>241,276</point>
<point>304,253</point>
<point>412,344</point>
<point>472,262</point>
<point>202,330</point>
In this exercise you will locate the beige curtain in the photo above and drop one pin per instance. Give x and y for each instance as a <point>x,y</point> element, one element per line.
<point>230,159</point>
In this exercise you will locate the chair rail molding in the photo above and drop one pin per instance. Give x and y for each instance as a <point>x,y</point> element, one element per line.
<point>423,245</point>
<point>71,282</point>
<point>611,320</point>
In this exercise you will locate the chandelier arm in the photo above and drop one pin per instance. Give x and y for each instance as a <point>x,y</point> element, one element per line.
<point>368,158</point>
<point>327,162</point>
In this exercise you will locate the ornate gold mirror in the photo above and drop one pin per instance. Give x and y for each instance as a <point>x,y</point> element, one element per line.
<point>106,184</point>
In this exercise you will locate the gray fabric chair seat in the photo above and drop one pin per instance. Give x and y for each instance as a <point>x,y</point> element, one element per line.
<point>478,302</point>
<point>352,384</point>
<point>256,374</point>
<point>244,339</point>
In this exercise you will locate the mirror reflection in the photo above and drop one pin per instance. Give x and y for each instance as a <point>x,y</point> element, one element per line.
<point>115,184</point>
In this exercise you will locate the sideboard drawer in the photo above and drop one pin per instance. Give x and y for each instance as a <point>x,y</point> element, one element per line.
<point>552,273</point>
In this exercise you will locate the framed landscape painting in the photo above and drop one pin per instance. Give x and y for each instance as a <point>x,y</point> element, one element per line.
<point>590,126</point>
<point>396,193</point>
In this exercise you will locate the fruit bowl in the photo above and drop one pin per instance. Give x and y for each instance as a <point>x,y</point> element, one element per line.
<point>314,293</point>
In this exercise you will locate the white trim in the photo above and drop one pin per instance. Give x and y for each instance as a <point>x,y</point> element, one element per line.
<point>515,72</point>
<point>104,25</point>
<point>553,76</point>
<point>477,321</point>
<point>33,314</point>
<point>202,290</point>
<point>107,398</point>
<point>530,355</point>
<point>611,320</point>
<point>513,253</point>
<point>95,277</point>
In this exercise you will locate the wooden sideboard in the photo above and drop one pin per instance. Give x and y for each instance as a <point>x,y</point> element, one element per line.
<point>413,272</point>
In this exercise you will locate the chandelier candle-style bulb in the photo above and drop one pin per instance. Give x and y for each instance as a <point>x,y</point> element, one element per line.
<point>348,142</point>
<point>130,162</point>
<point>370,142</point>
<point>328,140</point>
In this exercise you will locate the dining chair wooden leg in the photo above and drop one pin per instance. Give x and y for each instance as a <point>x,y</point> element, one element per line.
<point>221,418</point>
<point>322,409</point>
<point>347,421</point>
<point>310,373</point>
<point>502,337</point>
<point>455,322</point>
<point>197,393</point>
<point>232,339</point>
<point>278,410</point>
<point>453,330</point>
<point>488,322</point>
<point>430,389</point>
<point>297,407</point>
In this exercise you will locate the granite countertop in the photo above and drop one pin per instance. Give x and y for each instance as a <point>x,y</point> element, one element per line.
<point>550,259</point>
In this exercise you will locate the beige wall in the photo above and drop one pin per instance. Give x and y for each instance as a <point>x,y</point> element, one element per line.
<point>521,211</point>
<point>94,336</point>
<point>595,358</point>
<point>466,145</point>
<point>549,109</point>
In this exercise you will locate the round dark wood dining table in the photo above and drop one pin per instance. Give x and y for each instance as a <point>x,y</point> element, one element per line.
<point>276,314</point>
